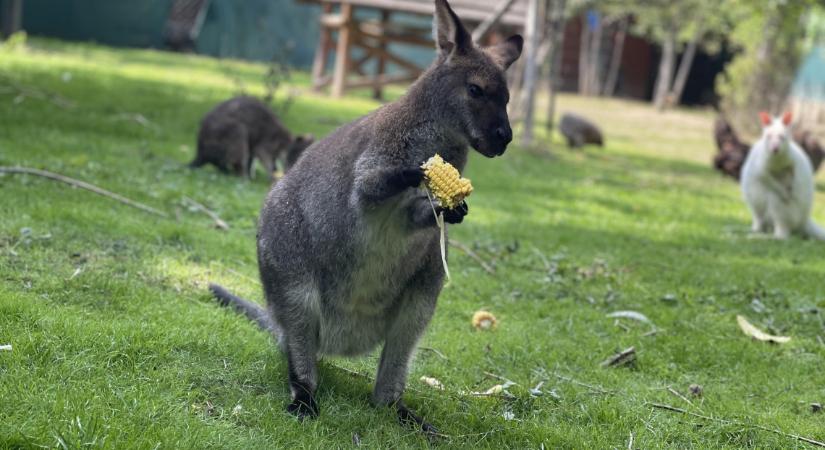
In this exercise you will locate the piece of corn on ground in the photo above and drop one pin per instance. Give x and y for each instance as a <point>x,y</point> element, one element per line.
<point>445,183</point>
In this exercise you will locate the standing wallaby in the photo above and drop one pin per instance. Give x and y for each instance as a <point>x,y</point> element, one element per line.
<point>241,129</point>
<point>778,182</point>
<point>348,247</point>
<point>579,131</point>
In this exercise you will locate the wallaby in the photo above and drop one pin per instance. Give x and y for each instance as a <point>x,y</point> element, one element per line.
<point>579,131</point>
<point>241,129</point>
<point>348,247</point>
<point>778,183</point>
<point>731,151</point>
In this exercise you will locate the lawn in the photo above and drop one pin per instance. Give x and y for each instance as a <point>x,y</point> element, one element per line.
<point>117,344</point>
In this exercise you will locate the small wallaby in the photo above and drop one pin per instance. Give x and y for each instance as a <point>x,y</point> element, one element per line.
<point>241,129</point>
<point>778,183</point>
<point>731,151</point>
<point>348,246</point>
<point>579,131</point>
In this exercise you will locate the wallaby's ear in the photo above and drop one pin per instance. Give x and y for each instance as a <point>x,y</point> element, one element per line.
<point>786,118</point>
<point>449,34</point>
<point>507,52</point>
<point>765,118</point>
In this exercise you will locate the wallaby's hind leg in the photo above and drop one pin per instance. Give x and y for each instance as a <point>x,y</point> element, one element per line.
<point>415,309</point>
<point>300,328</point>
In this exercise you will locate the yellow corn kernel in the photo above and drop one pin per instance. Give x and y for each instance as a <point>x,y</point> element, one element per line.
<point>445,183</point>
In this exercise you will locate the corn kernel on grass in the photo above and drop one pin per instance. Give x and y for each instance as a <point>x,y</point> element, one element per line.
<point>445,184</point>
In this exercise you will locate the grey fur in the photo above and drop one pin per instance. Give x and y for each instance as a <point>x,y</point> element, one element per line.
<point>347,245</point>
<point>241,129</point>
<point>579,131</point>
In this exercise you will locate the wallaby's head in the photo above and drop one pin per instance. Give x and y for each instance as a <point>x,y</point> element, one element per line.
<point>297,147</point>
<point>469,84</point>
<point>776,131</point>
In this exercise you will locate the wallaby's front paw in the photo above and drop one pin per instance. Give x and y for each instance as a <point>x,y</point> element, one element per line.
<point>456,215</point>
<point>411,177</point>
<point>409,418</point>
<point>303,407</point>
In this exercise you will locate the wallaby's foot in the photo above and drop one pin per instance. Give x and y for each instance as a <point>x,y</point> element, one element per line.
<point>456,215</point>
<point>304,406</point>
<point>410,419</point>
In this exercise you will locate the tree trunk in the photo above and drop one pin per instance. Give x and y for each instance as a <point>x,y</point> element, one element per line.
<point>665,76</point>
<point>684,69</point>
<point>557,24</point>
<point>584,56</point>
<point>594,66</point>
<point>616,59</point>
<point>531,29</point>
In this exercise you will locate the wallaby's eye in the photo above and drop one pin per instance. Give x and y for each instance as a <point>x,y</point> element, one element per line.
<point>475,91</point>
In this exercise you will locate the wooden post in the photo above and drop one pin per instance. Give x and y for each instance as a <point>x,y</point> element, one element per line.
<point>531,26</point>
<point>382,59</point>
<point>342,52</point>
<point>558,25</point>
<point>319,64</point>
<point>12,17</point>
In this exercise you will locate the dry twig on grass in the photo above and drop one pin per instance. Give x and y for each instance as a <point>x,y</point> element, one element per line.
<point>469,252</point>
<point>737,423</point>
<point>219,223</point>
<point>625,356</point>
<point>83,185</point>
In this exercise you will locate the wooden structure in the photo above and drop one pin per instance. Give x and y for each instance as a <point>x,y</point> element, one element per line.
<point>343,29</point>
<point>11,17</point>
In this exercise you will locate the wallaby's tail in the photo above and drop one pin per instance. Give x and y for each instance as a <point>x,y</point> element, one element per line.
<point>253,311</point>
<point>814,231</point>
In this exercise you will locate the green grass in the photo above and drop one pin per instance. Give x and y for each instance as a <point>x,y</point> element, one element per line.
<point>118,345</point>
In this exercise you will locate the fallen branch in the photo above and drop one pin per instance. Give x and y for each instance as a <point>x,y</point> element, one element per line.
<point>738,423</point>
<point>487,268</point>
<point>577,382</point>
<point>219,223</point>
<point>25,91</point>
<point>82,185</point>
<point>436,351</point>
<point>677,394</point>
<point>625,356</point>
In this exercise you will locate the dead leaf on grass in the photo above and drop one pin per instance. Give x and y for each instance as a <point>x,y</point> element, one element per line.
<point>758,334</point>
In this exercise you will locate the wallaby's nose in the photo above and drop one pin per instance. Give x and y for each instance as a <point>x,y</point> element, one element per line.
<point>505,134</point>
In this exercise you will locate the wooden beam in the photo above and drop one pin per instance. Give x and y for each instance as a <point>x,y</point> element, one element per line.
<point>378,52</point>
<point>491,20</point>
<point>319,63</point>
<point>382,80</point>
<point>380,67</point>
<point>342,54</point>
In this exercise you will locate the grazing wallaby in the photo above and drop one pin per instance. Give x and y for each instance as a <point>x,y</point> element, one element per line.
<point>778,183</point>
<point>579,131</point>
<point>732,152</point>
<point>241,129</point>
<point>348,247</point>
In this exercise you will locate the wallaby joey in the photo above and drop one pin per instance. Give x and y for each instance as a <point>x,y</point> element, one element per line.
<point>579,131</point>
<point>778,183</point>
<point>348,247</point>
<point>241,129</point>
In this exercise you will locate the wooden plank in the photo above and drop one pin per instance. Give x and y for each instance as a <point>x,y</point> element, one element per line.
<point>342,53</point>
<point>469,10</point>
<point>491,20</point>
<point>378,52</point>
<point>382,80</point>
<point>319,63</point>
<point>382,57</point>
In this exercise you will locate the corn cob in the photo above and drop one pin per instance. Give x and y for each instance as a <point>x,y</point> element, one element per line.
<point>445,183</point>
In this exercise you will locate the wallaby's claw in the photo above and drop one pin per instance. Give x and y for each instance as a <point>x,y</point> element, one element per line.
<point>456,215</point>
<point>409,418</point>
<point>303,408</point>
<point>412,177</point>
